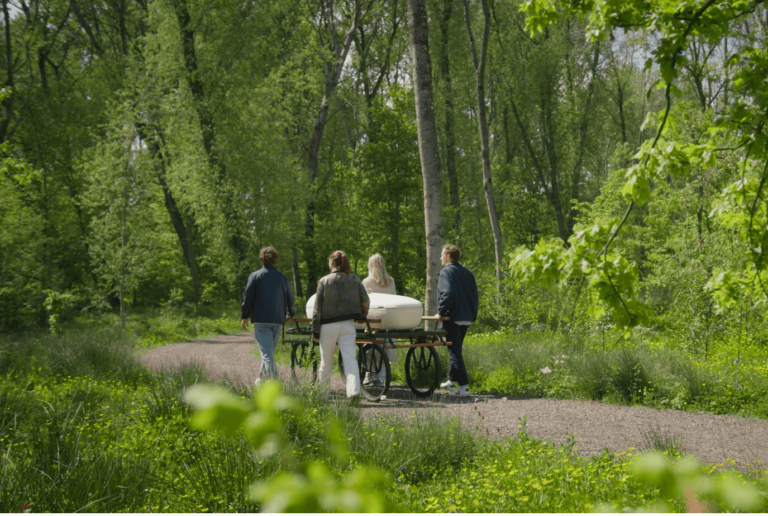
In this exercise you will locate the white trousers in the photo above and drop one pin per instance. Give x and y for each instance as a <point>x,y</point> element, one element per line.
<point>344,334</point>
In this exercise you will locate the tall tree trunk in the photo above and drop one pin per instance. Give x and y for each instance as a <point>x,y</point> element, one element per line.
<point>123,30</point>
<point>8,101</point>
<point>726,72</point>
<point>622,118</point>
<point>208,128</point>
<point>184,226</point>
<point>428,150</point>
<point>450,137</point>
<point>333,69</point>
<point>295,272</point>
<point>396,249</point>
<point>184,234</point>
<point>498,242</point>
<point>85,26</point>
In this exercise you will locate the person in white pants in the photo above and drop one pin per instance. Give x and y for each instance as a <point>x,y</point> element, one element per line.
<point>340,300</point>
<point>343,333</point>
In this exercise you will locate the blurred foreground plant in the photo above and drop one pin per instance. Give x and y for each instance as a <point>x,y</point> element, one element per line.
<point>702,491</point>
<point>308,487</point>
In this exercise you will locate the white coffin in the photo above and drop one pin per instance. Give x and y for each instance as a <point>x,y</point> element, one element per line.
<point>395,312</point>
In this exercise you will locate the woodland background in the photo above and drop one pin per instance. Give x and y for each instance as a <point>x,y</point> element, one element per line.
<point>602,165</point>
<point>152,148</point>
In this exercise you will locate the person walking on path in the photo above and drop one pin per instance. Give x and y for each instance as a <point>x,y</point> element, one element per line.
<point>268,296</point>
<point>456,298</point>
<point>341,298</point>
<point>379,282</point>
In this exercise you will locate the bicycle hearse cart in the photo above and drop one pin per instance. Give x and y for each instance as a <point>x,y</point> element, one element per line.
<point>422,363</point>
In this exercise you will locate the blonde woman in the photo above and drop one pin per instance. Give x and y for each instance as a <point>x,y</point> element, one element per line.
<point>379,282</point>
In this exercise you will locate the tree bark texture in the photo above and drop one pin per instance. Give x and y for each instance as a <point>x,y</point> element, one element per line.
<point>479,62</point>
<point>428,150</point>
<point>450,137</point>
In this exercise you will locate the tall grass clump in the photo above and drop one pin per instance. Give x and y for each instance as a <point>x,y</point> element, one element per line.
<point>547,365</point>
<point>102,352</point>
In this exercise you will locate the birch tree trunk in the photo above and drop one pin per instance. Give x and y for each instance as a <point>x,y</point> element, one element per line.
<point>498,242</point>
<point>428,150</point>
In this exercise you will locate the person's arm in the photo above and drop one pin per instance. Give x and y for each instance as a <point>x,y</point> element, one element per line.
<point>445,294</point>
<point>290,298</point>
<point>365,301</point>
<point>474,298</point>
<point>317,312</point>
<point>245,308</point>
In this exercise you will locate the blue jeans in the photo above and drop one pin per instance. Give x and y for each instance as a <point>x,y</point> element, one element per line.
<point>267,336</point>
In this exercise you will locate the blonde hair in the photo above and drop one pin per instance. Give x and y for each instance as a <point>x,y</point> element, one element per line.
<point>377,271</point>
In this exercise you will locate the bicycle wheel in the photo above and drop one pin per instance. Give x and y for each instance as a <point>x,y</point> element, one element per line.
<point>422,370</point>
<point>302,360</point>
<point>372,362</point>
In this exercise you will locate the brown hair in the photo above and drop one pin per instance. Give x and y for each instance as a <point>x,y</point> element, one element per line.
<point>268,255</point>
<point>453,251</point>
<point>339,260</point>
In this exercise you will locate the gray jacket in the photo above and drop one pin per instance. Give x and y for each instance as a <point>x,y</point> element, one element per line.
<point>340,297</point>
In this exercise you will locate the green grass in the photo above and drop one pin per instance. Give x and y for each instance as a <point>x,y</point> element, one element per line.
<point>154,327</point>
<point>85,427</point>
<point>542,365</point>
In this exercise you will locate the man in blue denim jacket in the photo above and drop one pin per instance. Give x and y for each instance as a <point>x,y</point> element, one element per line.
<point>456,298</point>
<point>268,296</point>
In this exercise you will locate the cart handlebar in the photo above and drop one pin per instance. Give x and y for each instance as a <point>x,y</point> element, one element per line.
<point>435,318</point>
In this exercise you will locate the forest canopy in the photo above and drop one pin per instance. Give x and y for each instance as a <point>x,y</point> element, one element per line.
<point>615,152</point>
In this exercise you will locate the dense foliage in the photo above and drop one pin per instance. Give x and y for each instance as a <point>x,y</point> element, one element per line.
<point>150,149</point>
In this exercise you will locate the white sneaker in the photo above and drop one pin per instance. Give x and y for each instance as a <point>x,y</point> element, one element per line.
<point>461,392</point>
<point>448,385</point>
<point>368,380</point>
<point>258,382</point>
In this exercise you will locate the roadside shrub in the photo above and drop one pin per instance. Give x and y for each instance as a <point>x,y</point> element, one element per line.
<point>630,376</point>
<point>592,373</point>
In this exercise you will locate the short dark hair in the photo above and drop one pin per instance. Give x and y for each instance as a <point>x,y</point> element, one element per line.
<point>453,251</point>
<point>340,260</point>
<point>268,255</point>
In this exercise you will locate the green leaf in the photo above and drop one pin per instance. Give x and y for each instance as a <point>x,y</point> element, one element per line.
<point>739,493</point>
<point>216,407</point>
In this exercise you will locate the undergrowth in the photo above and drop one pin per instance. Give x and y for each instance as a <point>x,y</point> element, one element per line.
<point>85,427</point>
<point>541,365</point>
<point>168,324</point>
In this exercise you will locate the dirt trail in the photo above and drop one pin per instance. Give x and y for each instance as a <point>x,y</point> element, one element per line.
<point>594,425</point>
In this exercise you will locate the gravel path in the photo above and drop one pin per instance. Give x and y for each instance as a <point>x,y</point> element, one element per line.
<point>594,425</point>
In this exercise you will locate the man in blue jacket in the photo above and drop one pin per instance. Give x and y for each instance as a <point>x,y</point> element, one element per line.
<point>268,296</point>
<point>456,298</point>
